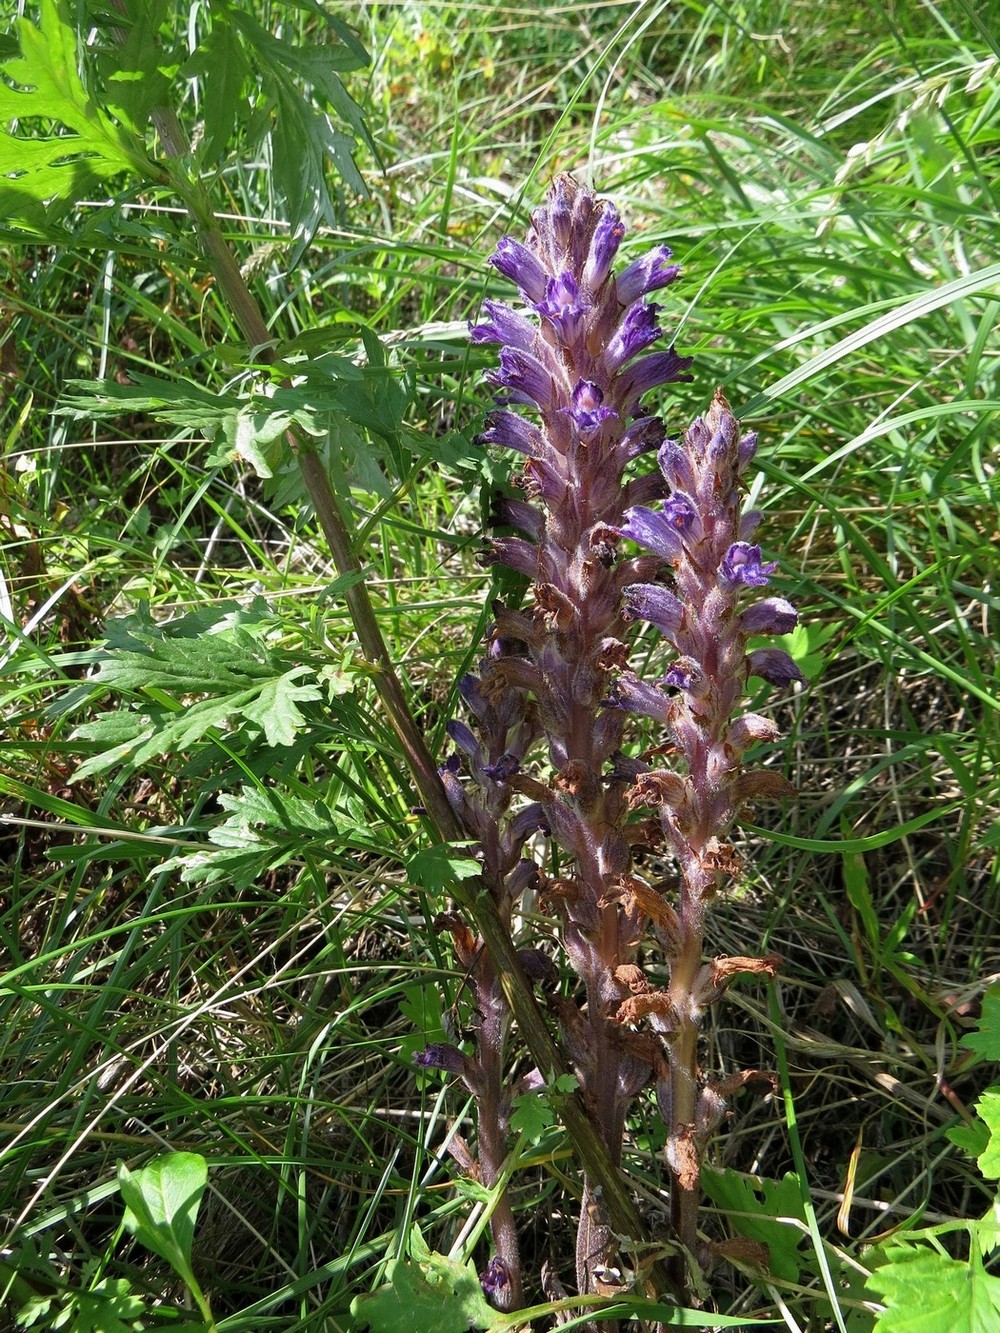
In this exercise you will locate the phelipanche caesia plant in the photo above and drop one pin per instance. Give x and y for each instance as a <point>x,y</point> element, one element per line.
<point>575,363</point>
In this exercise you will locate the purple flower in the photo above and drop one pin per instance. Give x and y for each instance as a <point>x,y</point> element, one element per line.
<point>505,326</point>
<point>635,696</point>
<point>515,261</point>
<point>587,410</point>
<point>681,512</point>
<point>563,306</point>
<point>637,331</point>
<point>747,449</point>
<point>676,466</point>
<point>774,615</point>
<point>504,768</point>
<point>463,738</point>
<point>495,1282</point>
<point>685,674</point>
<point>607,238</point>
<point>529,381</point>
<point>511,431</point>
<point>742,565</point>
<point>646,274</point>
<point>642,437</point>
<point>654,531</point>
<point>650,601</point>
<point>653,370</point>
<point>773,665</point>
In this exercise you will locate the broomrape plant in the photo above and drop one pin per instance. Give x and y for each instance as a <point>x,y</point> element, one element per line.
<point>574,368</point>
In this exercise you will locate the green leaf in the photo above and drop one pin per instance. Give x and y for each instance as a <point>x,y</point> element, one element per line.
<point>986,1040</point>
<point>925,1291</point>
<point>752,1205</point>
<point>421,1005</point>
<point>110,1307</point>
<point>35,171</point>
<point>247,685</point>
<point>532,1115</point>
<point>988,1109</point>
<point>429,1292</point>
<point>437,868</point>
<point>265,828</point>
<point>162,1202</point>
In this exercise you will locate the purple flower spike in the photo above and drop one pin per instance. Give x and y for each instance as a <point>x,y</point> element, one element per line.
<point>773,665</point>
<point>515,261</point>
<point>646,274</point>
<point>742,565</point>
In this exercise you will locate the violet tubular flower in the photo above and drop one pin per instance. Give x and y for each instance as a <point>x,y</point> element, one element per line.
<point>707,616</point>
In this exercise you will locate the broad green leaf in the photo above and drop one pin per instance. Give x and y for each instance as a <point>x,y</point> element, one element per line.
<point>925,1291</point>
<point>247,685</point>
<point>753,1205</point>
<point>162,1202</point>
<point>275,708</point>
<point>35,171</point>
<point>435,1295</point>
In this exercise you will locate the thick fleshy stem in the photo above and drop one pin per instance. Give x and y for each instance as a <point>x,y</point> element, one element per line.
<point>701,535</point>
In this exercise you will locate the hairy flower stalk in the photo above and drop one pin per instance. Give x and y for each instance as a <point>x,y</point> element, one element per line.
<point>575,361</point>
<point>707,608</point>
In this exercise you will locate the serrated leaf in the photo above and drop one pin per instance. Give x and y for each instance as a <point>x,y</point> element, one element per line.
<point>35,171</point>
<point>245,684</point>
<point>162,1202</point>
<point>434,1294</point>
<point>926,1291</point>
<point>109,1308</point>
<point>437,868</point>
<point>532,1115</point>
<point>752,1205</point>
<point>224,64</point>
<point>985,1041</point>
<point>275,709</point>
